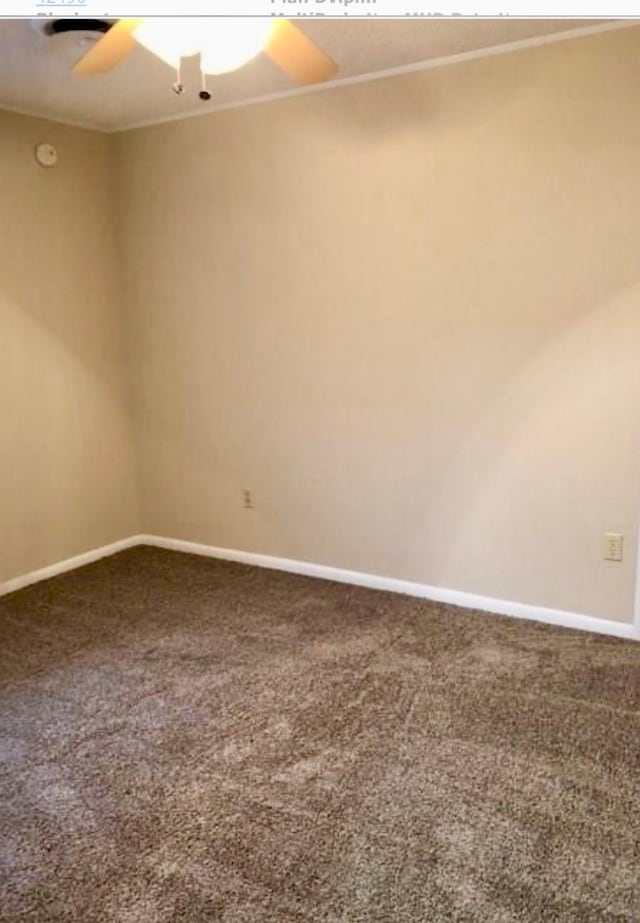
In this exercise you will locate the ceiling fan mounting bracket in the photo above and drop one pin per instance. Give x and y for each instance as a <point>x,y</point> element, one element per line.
<point>60,26</point>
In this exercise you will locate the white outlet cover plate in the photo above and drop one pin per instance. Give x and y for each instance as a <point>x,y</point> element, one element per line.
<point>613,546</point>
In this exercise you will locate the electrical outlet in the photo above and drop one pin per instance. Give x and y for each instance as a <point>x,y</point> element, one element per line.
<point>247,498</point>
<point>612,546</point>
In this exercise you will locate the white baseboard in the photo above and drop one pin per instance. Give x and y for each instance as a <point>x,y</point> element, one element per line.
<point>19,583</point>
<point>485,604</point>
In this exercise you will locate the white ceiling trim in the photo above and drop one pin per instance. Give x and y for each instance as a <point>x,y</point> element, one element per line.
<point>398,71</point>
<point>46,116</point>
<point>429,64</point>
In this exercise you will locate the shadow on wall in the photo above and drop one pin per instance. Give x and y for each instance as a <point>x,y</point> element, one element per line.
<point>562,406</point>
<point>68,469</point>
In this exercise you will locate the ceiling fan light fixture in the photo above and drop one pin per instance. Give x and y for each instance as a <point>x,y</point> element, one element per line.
<point>170,39</point>
<point>229,43</point>
<point>224,43</point>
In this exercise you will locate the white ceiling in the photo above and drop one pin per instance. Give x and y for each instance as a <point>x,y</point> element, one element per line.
<point>35,70</point>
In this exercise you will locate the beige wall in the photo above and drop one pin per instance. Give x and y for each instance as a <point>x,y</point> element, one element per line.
<point>407,314</point>
<point>66,449</point>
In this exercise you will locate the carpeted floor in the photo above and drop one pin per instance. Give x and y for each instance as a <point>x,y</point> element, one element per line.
<point>189,740</point>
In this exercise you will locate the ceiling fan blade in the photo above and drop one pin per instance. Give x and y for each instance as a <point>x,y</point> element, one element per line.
<point>110,50</point>
<point>298,56</point>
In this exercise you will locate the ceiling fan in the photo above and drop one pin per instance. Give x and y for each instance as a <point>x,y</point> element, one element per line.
<point>224,44</point>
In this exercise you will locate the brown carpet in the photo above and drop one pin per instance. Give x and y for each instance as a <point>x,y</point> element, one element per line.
<point>189,740</point>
